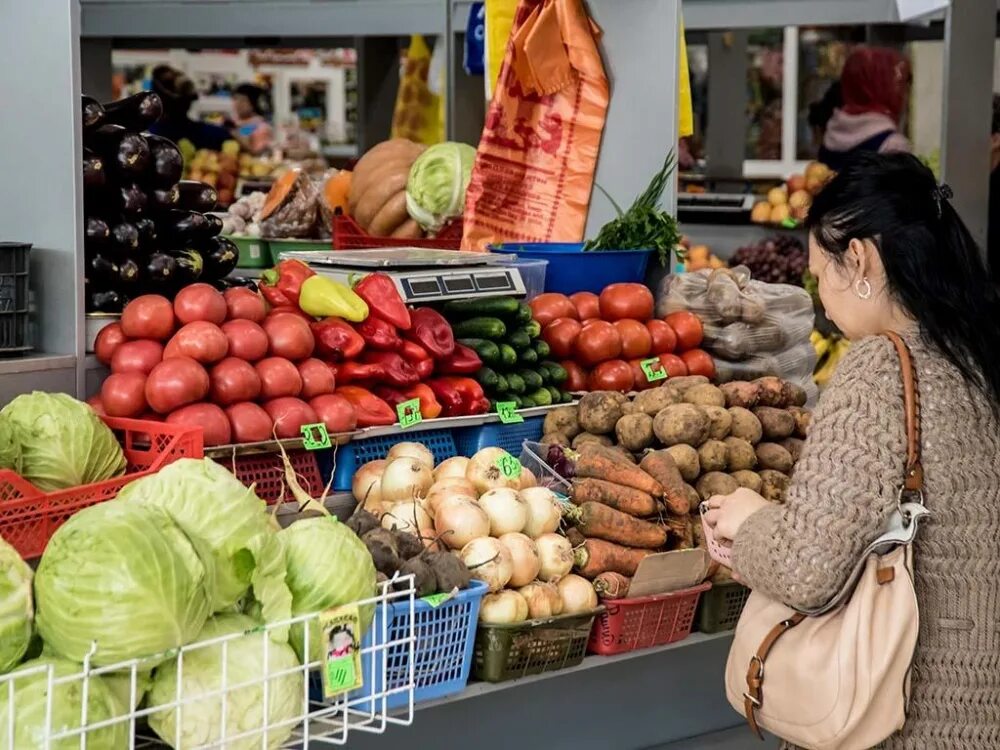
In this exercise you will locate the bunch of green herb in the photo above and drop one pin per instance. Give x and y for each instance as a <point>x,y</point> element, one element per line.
<point>645,225</point>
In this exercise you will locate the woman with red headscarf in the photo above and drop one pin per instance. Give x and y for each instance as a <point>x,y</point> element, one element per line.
<point>873,88</point>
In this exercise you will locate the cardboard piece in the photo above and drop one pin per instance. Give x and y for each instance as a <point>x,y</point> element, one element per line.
<point>665,572</point>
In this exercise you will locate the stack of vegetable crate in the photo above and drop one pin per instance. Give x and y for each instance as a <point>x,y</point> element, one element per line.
<point>503,333</point>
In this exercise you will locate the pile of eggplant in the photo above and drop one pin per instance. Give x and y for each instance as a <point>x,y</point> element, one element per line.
<point>146,230</point>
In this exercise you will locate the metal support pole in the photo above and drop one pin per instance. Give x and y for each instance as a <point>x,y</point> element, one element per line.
<point>95,68</point>
<point>378,82</point>
<point>726,130</point>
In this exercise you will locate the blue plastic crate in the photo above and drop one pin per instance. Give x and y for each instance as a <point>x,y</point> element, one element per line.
<point>510,437</point>
<point>571,269</point>
<point>351,457</point>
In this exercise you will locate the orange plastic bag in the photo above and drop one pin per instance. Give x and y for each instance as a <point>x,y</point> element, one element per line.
<point>535,164</point>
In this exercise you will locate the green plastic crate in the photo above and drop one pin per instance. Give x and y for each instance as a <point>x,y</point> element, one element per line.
<point>721,606</point>
<point>279,246</point>
<point>254,252</point>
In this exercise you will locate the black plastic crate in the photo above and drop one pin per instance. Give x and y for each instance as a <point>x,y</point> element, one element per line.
<point>14,297</point>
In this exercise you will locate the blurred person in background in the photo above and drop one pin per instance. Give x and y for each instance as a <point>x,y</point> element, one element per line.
<point>993,234</point>
<point>178,93</point>
<point>821,111</point>
<point>252,129</point>
<point>874,90</point>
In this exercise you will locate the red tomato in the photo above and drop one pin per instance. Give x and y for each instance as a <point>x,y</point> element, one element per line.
<point>561,335</point>
<point>175,383</point>
<point>640,382</point>
<point>278,378</point>
<point>95,403</point>
<point>247,340</point>
<point>548,307</point>
<point>288,415</point>
<point>200,302</point>
<point>613,375</point>
<point>233,380</point>
<point>336,412</point>
<point>123,394</point>
<point>699,362</point>
<point>289,336</point>
<point>587,305</point>
<point>626,301</point>
<point>108,339</point>
<point>600,342</point>
<point>663,336</point>
<point>201,341</point>
<point>250,423</point>
<point>317,378</point>
<point>688,328</point>
<point>577,380</point>
<point>243,304</point>
<point>148,317</point>
<point>209,417</point>
<point>141,355</point>
<point>636,339</point>
<point>291,310</point>
<point>674,366</point>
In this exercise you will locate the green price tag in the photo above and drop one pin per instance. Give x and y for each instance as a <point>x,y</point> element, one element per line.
<point>789,223</point>
<point>653,369</point>
<point>508,412</point>
<point>409,413</point>
<point>315,437</point>
<point>436,600</point>
<point>341,631</point>
<point>509,466</point>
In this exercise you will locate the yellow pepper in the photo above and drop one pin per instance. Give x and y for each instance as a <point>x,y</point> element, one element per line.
<point>322,297</point>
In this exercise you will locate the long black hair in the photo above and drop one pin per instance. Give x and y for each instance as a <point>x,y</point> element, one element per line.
<point>933,267</point>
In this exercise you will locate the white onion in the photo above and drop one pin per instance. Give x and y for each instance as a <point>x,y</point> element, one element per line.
<point>366,485</point>
<point>556,554</point>
<point>543,599</point>
<point>456,466</point>
<point>405,479</point>
<point>418,451</point>
<point>489,561</point>
<point>527,479</point>
<point>544,511</point>
<point>524,555</point>
<point>508,513</point>
<point>445,489</point>
<point>503,608</point>
<point>458,520</point>
<point>411,518</point>
<point>484,473</point>
<point>578,594</point>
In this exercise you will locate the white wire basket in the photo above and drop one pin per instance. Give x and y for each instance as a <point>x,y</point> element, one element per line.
<point>223,711</point>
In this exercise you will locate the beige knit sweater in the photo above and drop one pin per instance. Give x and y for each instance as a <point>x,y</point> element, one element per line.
<point>838,501</point>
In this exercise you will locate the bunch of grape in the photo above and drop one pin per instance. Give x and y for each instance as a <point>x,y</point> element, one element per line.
<point>781,259</point>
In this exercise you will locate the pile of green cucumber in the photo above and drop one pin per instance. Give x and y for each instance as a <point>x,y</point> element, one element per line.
<point>515,359</point>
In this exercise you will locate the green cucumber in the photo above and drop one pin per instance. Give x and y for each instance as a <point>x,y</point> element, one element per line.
<point>487,378</point>
<point>494,307</point>
<point>528,357</point>
<point>555,393</point>
<point>524,314</point>
<point>541,349</point>
<point>519,339</point>
<point>480,328</point>
<point>531,378</point>
<point>508,357</point>
<point>515,399</point>
<point>544,372</point>
<point>533,328</point>
<point>557,373</point>
<point>515,383</point>
<point>527,402</point>
<point>541,397</point>
<point>487,350</point>
<point>566,397</point>
<point>501,386</point>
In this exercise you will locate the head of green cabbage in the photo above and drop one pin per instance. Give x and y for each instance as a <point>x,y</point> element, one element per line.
<point>16,608</point>
<point>123,576</point>
<point>247,666</point>
<point>435,190</point>
<point>10,450</point>
<point>63,443</point>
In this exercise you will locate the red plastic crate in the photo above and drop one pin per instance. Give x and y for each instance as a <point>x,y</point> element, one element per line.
<point>267,472</point>
<point>29,517</point>
<point>347,235</point>
<point>632,624</point>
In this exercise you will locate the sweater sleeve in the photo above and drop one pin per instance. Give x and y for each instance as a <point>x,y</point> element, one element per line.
<point>843,488</point>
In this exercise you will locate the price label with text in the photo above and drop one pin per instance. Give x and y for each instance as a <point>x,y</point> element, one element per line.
<point>509,466</point>
<point>409,413</point>
<point>315,437</point>
<point>653,369</point>
<point>507,410</point>
<point>341,631</point>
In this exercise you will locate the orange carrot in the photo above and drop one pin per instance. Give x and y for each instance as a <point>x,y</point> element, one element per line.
<point>612,585</point>
<point>682,527</point>
<point>660,466</point>
<point>597,556</point>
<point>600,465</point>
<point>626,499</point>
<point>602,522</point>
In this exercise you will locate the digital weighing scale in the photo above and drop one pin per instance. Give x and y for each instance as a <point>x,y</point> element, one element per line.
<point>423,275</point>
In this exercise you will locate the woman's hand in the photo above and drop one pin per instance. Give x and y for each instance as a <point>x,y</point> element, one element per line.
<point>728,512</point>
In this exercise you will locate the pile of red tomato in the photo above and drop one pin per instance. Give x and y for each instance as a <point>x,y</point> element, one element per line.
<point>602,340</point>
<point>221,362</point>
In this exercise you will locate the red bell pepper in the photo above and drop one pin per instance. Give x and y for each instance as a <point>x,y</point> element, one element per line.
<point>379,334</point>
<point>396,371</point>
<point>391,396</point>
<point>372,411</point>
<point>379,291</point>
<point>448,396</point>
<point>474,400</point>
<point>429,406</point>
<point>432,332</point>
<point>273,296</point>
<point>354,372</point>
<point>462,361</point>
<point>287,277</point>
<point>336,339</point>
<point>418,357</point>
<point>424,368</point>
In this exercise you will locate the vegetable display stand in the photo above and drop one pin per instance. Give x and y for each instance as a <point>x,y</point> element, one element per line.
<point>632,624</point>
<point>571,269</point>
<point>277,246</point>
<point>266,471</point>
<point>510,437</point>
<point>507,652</point>
<point>440,656</point>
<point>14,297</point>
<point>348,235</point>
<point>351,457</point>
<point>720,608</point>
<point>254,252</point>
<point>29,517</point>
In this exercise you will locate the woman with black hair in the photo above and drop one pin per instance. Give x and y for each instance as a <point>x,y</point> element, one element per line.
<point>252,130</point>
<point>891,254</point>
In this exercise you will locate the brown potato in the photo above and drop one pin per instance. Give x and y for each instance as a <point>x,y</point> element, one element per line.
<point>774,485</point>
<point>687,461</point>
<point>773,456</point>
<point>803,420</point>
<point>585,437</point>
<point>740,454</point>
<point>705,395</point>
<point>771,391</point>
<point>655,400</point>
<point>684,382</point>
<point>716,483</point>
<point>793,394</point>
<point>694,499</point>
<point>776,423</point>
<point>749,479</point>
<point>556,438</point>
<point>740,393</point>
<point>712,456</point>
<point>682,423</point>
<point>600,411</point>
<point>635,432</point>
<point>563,421</point>
<point>721,422</point>
<point>745,425</point>
<point>794,447</point>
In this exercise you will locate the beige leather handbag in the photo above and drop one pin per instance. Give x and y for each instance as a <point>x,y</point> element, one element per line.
<point>839,677</point>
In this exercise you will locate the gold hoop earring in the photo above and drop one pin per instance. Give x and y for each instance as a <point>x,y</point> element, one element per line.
<point>863,288</point>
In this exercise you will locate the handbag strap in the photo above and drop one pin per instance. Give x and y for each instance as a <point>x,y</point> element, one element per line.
<point>913,480</point>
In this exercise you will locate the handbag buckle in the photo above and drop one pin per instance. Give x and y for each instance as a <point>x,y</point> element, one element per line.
<point>755,702</point>
<point>760,666</point>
